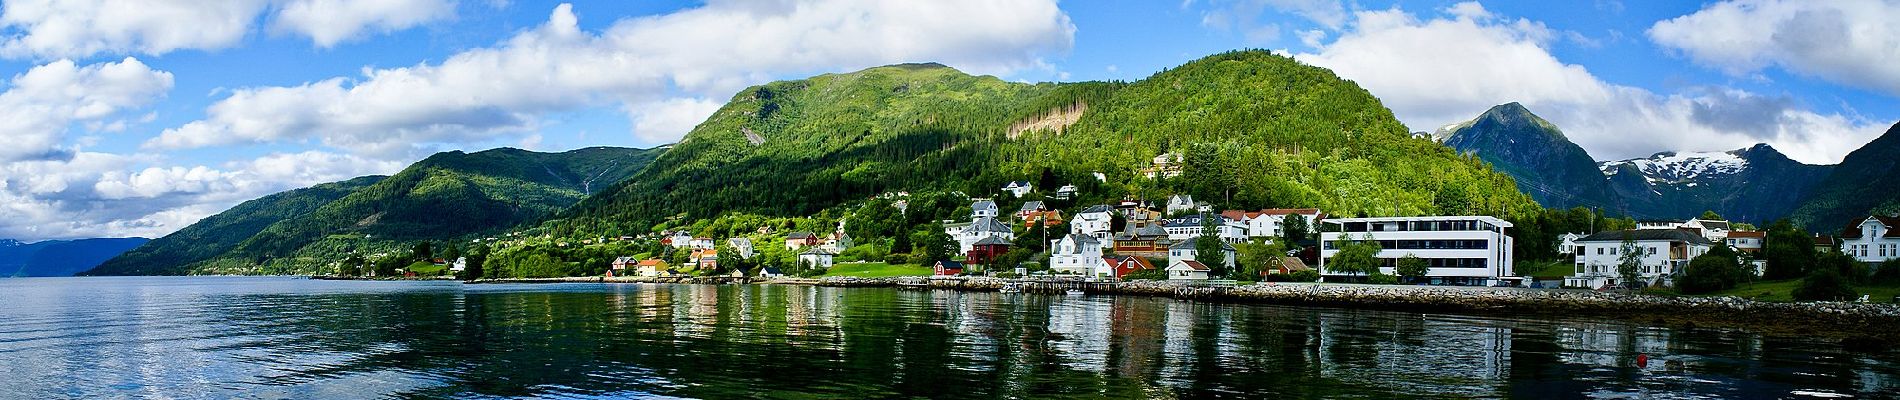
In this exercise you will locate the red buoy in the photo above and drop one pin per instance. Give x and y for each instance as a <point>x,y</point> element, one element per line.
<point>1642,360</point>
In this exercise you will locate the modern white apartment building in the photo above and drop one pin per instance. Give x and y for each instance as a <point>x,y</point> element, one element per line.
<point>1465,250</point>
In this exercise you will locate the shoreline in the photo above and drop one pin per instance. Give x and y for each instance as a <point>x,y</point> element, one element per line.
<point>1872,326</point>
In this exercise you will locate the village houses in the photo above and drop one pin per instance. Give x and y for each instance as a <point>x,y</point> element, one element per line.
<point>1077,254</point>
<point>798,240</point>
<point>1122,265</point>
<point>1664,253</point>
<point>967,234</point>
<point>1185,251</point>
<point>1018,188</point>
<point>1190,227</point>
<point>1271,223</point>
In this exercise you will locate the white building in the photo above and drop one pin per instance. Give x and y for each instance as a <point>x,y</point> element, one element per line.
<point>702,243</point>
<point>1187,270</point>
<point>1185,251</point>
<point>741,247</point>
<point>983,208</point>
<point>1065,192</point>
<point>1190,227</point>
<point>1468,250</point>
<point>1665,253</point>
<point>1093,221</point>
<point>680,239</point>
<point>1748,242</point>
<point>1077,254</point>
<point>1018,188</point>
<point>1872,239</point>
<point>1567,243</point>
<point>1271,223</point>
<point>816,258</point>
<point>982,228</point>
<point>1179,203</point>
<point>1711,229</point>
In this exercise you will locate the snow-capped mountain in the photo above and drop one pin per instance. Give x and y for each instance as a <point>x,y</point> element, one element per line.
<point>1752,184</point>
<point>1685,168</point>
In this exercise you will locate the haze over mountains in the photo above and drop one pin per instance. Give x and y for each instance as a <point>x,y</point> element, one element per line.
<point>1754,184</point>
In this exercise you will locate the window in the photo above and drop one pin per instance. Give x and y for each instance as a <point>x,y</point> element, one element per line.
<point>1599,251</point>
<point>1652,251</point>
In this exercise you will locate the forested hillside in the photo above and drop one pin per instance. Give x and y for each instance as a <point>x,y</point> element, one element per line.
<point>217,234</point>
<point>1252,129</point>
<point>1862,184</point>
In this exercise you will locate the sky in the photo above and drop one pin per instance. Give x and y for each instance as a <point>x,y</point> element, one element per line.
<point>138,117</point>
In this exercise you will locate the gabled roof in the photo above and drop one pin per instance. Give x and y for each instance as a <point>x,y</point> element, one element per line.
<point>1066,188</point>
<point>1852,231</point>
<point>623,260</point>
<point>1293,264</point>
<point>1084,239</point>
<point>817,251</point>
<point>987,224</point>
<point>948,264</point>
<point>739,241</point>
<point>1032,205</point>
<point>1189,264</point>
<point>1714,224</point>
<point>1646,234</point>
<point>992,240</point>
<point>1747,234</point>
<point>983,204</point>
<point>1188,244</point>
<point>1098,208</point>
<point>1116,261</point>
<point>1017,184</point>
<point>801,235</point>
<point>651,262</point>
<point>1190,221</point>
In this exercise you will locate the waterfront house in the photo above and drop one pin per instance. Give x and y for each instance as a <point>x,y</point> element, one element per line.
<point>1184,251</point>
<point>1018,188</point>
<point>1748,242</point>
<point>1077,254</point>
<point>1461,250</point>
<point>1122,265</point>
<point>1145,241</point>
<point>798,240</point>
<point>816,258</point>
<point>1664,254</point>
<point>978,230</point>
<point>741,247</point>
<point>1093,221</point>
<point>1286,266</point>
<point>1190,227</point>
<point>706,259</point>
<point>986,250</point>
<point>651,267</point>
<point>1872,239</point>
<point>946,268</point>
<point>1029,209</point>
<point>1065,192</point>
<point>1187,270</point>
<point>1179,203</point>
<point>983,208</point>
<point>620,266</point>
<point>770,272</point>
<point>1271,223</point>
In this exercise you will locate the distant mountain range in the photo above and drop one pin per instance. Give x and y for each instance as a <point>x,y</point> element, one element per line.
<point>1755,184</point>
<point>447,196</point>
<point>59,257</point>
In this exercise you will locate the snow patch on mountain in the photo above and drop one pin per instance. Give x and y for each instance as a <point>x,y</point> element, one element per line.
<point>1672,167</point>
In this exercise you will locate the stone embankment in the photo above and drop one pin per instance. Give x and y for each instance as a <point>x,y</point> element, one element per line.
<point>1869,318</point>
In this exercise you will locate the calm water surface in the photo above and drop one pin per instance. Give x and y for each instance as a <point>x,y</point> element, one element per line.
<point>297,338</point>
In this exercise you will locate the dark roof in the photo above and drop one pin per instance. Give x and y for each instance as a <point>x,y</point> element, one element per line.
<point>950,264</point>
<point>1189,244</point>
<point>985,203</point>
<point>1646,234</point>
<point>1032,205</point>
<point>771,270</point>
<point>1712,224</point>
<point>1098,208</point>
<point>987,224</point>
<point>800,235</point>
<point>1852,231</point>
<point>1191,221</point>
<point>1193,265</point>
<point>992,240</point>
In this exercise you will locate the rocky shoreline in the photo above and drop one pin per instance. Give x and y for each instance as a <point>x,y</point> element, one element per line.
<point>1851,321</point>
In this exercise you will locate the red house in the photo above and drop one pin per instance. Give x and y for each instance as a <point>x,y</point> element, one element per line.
<point>947,268</point>
<point>1124,265</point>
<point>986,250</point>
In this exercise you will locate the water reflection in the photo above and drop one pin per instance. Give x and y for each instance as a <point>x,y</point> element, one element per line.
<point>288,338</point>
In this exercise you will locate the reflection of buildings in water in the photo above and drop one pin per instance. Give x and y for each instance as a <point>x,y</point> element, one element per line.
<point>1610,345</point>
<point>1137,334</point>
<point>1079,333</point>
<point>1178,336</point>
<point>1455,354</point>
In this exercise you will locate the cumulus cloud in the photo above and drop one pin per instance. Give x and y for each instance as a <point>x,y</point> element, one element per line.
<point>1437,71</point>
<point>1850,42</point>
<point>671,61</point>
<point>108,195</point>
<point>81,28</point>
<point>41,105</point>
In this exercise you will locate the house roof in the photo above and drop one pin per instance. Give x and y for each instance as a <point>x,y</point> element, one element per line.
<point>1852,231</point>
<point>987,224</point>
<point>1032,205</point>
<point>1267,212</point>
<point>1084,239</point>
<point>1646,234</point>
<point>1116,261</point>
<point>1189,264</point>
<point>1824,240</point>
<point>739,241</point>
<point>984,204</point>
<point>1098,208</point>
<point>1189,244</point>
<point>771,270</point>
<point>949,264</point>
<point>1293,264</point>
<point>623,260</point>
<point>1066,188</point>
<point>652,262</point>
<point>1714,224</point>
<point>1017,184</point>
<point>1747,234</point>
<point>801,235</point>
<point>817,251</point>
<point>992,240</point>
<point>1190,221</point>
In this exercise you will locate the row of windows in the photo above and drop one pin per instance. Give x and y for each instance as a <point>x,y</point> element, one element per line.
<point>1417,226</point>
<point>1618,250</point>
<point>1883,250</point>
<point>1421,244</point>
<point>1437,263</point>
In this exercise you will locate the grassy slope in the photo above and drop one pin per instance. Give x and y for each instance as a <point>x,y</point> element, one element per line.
<point>876,270</point>
<point>1782,291</point>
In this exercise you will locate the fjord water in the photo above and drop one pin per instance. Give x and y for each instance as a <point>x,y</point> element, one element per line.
<point>215,337</point>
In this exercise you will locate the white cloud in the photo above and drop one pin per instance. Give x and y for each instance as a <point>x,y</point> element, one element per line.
<point>93,194</point>
<point>1850,42</point>
<point>41,104</point>
<point>659,122</point>
<point>1437,71</point>
<point>671,61</point>
<point>82,28</point>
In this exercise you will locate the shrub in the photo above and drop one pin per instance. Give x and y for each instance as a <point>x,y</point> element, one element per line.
<point>895,259</point>
<point>1379,278</point>
<point>1007,275</point>
<point>1887,273</point>
<point>1824,285</point>
<point>1304,276</point>
<point>1712,272</point>
<point>920,258</point>
<point>1146,275</point>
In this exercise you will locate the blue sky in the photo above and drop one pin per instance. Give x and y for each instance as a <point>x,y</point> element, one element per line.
<point>136,118</point>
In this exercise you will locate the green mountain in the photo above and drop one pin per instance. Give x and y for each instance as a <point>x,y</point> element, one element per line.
<point>1546,165</point>
<point>448,196</point>
<point>60,257</point>
<point>216,234</point>
<point>1861,185</point>
<point>1252,129</point>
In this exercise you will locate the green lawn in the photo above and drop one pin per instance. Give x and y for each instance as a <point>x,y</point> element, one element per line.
<point>1546,270</point>
<point>1782,291</point>
<point>876,270</point>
